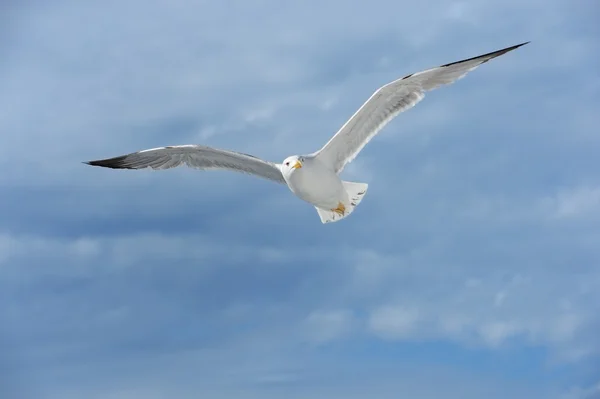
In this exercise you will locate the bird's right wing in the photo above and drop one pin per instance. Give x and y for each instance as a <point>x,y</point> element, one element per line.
<point>195,156</point>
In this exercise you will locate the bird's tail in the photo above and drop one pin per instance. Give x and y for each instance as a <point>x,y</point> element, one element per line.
<point>356,192</point>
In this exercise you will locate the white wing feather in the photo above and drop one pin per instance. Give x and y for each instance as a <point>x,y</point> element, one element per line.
<point>390,100</point>
<point>195,156</point>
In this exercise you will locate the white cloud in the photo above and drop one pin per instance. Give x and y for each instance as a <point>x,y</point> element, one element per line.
<point>326,325</point>
<point>394,322</point>
<point>573,203</point>
<point>496,332</point>
<point>590,392</point>
<point>419,297</point>
<point>488,310</point>
<point>6,247</point>
<point>124,251</point>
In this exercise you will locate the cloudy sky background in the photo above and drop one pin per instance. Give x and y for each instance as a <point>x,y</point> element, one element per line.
<point>471,268</point>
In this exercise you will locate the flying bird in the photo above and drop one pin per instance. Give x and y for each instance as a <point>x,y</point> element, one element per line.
<point>314,177</point>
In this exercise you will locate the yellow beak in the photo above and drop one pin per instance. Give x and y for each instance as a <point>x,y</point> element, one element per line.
<point>297,165</point>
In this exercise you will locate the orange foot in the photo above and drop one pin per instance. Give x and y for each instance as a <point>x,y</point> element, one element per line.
<point>340,210</point>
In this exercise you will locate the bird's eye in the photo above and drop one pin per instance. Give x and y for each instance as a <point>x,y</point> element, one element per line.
<point>287,164</point>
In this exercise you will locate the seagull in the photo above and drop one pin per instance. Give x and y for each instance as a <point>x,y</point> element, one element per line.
<point>314,177</point>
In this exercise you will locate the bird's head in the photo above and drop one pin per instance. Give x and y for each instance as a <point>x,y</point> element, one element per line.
<point>292,163</point>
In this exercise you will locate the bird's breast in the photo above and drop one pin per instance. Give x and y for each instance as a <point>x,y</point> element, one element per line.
<point>318,186</point>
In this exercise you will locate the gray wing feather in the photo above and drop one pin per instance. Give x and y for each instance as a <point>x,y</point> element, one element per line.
<point>390,100</point>
<point>195,156</point>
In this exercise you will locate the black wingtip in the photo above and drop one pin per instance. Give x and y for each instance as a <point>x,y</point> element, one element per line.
<point>488,56</point>
<point>497,53</point>
<point>113,163</point>
<point>516,46</point>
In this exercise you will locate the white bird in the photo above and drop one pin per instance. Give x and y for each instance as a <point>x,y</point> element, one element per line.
<point>315,177</point>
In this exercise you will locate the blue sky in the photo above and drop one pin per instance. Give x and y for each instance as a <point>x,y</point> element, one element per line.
<point>471,268</point>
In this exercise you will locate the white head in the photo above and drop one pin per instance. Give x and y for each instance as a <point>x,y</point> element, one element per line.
<point>292,163</point>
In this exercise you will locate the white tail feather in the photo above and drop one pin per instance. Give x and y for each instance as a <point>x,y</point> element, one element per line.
<point>356,192</point>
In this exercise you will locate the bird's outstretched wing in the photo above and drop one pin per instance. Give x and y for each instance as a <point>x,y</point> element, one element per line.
<point>195,156</point>
<point>388,101</point>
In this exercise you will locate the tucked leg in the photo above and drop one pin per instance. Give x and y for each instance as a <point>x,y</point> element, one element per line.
<point>341,209</point>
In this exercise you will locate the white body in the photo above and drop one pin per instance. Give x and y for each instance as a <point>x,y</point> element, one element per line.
<point>317,184</point>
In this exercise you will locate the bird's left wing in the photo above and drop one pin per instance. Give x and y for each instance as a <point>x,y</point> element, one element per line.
<point>195,156</point>
<point>390,100</point>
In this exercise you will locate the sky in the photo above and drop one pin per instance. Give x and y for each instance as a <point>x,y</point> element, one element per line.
<point>469,270</point>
